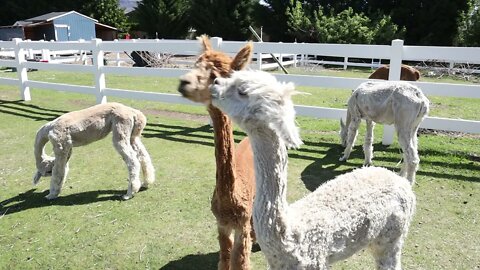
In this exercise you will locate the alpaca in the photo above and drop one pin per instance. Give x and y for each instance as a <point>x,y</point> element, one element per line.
<point>407,73</point>
<point>368,207</point>
<point>399,103</point>
<point>232,200</point>
<point>79,128</point>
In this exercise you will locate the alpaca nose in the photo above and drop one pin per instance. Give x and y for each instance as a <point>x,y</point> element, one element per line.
<point>182,86</point>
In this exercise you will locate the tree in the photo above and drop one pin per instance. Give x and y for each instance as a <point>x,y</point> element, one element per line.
<point>273,17</point>
<point>16,10</point>
<point>425,22</point>
<point>107,12</point>
<point>344,27</point>
<point>162,18</point>
<point>228,19</point>
<point>469,29</point>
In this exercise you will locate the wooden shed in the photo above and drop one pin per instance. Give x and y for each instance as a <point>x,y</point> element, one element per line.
<point>59,26</point>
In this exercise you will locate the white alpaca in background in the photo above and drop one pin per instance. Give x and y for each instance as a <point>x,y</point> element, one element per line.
<point>399,103</point>
<point>82,127</point>
<point>369,207</point>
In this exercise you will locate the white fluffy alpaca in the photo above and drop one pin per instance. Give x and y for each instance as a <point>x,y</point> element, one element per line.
<point>82,127</point>
<point>399,103</point>
<point>369,207</point>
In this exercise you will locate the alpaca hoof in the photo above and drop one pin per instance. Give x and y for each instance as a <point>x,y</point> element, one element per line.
<point>368,164</point>
<point>342,159</point>
<point>51,196</point>
<point>126,197</point>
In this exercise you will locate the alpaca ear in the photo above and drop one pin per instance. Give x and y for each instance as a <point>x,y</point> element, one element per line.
<point>36,178</point>
<point>207,46</point>
<point>242,59</point>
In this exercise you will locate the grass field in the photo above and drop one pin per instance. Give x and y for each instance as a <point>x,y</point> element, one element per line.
<point>170,226</point>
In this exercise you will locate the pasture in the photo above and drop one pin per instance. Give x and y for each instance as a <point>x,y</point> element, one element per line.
<point>170,226</point>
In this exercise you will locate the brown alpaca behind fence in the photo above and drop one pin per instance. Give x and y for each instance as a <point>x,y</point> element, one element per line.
<point>407,73</point>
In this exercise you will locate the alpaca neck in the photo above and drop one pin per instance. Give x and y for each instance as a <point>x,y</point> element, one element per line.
<point>348,119</point>
<point>270,206</point>
<point>39,148</point>
<point>224,150</point>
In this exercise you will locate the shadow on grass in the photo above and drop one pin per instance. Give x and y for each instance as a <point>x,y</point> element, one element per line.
<point>194,262</point>
<point>31,199</point>
<point>326,168</point>
<point>23,109</point>
<point>324,155</point>
<point>199,261</point>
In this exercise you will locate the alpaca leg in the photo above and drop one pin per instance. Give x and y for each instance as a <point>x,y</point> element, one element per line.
<point>368,144</point>
<point>410,156</point>
<point>226,243</point>
<point>121,141</point>
<point>387,248</point>
<point>59,172</point>
<point>241,248</point>
<point>388,255</point>
<point>148,170</point>
<point>352,135</point>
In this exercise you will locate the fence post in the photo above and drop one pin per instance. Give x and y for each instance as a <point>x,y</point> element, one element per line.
<point>396,55</point>
<point>259,60</point>
<point>21,71</point>
<point>216,42</point>
<point>98,57</point>
<point>345,63</point>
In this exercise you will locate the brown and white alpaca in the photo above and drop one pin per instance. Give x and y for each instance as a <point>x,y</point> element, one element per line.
<point>232,200</point>
<point>368,207</point>
<point>407,73</point>
<point>79,128</point>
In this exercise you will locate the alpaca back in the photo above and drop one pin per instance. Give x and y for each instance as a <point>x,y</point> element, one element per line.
<point>407,73</point>
<point>380,101</point>
<point>347,213</point>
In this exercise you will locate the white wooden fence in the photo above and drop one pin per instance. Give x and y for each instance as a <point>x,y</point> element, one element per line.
<point>396,53</point>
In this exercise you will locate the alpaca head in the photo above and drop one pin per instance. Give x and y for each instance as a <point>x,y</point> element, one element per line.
<point>210,65</point>
<point>343,133</point>
<point>44,168</point>
<point>256,101</point>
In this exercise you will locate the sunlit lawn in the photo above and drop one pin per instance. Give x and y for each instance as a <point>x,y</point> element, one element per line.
<point>170,226</point>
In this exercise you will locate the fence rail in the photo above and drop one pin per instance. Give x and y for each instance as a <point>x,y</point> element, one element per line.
<point>395,53</point>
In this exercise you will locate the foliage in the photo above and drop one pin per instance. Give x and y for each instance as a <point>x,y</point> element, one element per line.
<point>107,12</point>
<point>273,17</point>
<point>344,27</point>
<point>429,22</point>
<point>469,29</point>
<point>385,30</point>
<point>162,18</point>
<point>422,22</point>
<point>228,19</point>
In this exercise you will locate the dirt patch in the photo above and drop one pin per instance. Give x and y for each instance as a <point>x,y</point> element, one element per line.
<point>178,115</point>
<point>454,134</point>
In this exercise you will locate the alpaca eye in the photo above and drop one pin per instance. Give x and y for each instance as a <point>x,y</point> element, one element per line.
<point>242,92</point>
<point>216,81</point>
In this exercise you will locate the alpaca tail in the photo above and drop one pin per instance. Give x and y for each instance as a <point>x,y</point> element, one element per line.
<point>148,171</point>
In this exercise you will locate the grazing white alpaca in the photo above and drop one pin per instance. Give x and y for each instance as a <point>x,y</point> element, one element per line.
<point>82,127</point>
<point>399,103</point>
<point>369,207</point>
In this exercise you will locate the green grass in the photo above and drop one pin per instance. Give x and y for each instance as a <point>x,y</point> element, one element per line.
<point>170,226</point>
